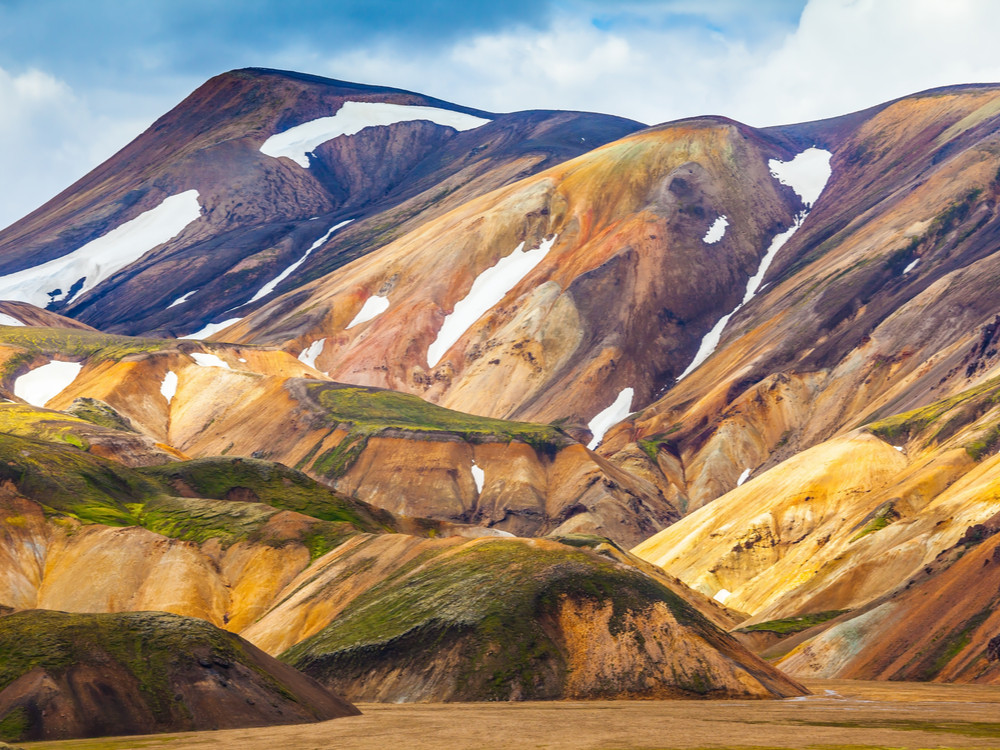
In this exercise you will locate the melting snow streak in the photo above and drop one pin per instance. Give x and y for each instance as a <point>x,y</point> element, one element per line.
<point>102,258</point>
<point>269,286</point>
<point>487,290</point>
<point>611,416</point>
<point>803,175</point>
<point>44,383</point>
<point>308,355</point>
<point>479,476</point>
<point>743,477</point>
<point>296,143</point>
<point>169,386</point>
<point>210,329</point>
<point>209,360</point>
<point>373,307</point>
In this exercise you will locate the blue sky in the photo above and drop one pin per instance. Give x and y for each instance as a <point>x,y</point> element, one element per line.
<point>79,79</point>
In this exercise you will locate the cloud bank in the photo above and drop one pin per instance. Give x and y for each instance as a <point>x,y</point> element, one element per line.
<point>64,109</point>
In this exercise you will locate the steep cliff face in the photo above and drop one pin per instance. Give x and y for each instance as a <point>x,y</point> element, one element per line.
<point>75,675</point>
<point>206,213</point>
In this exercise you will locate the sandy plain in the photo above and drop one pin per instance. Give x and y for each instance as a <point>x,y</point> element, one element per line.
<point>840,714</point>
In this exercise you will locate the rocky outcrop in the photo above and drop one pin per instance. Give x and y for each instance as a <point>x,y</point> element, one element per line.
<point>80,675</point>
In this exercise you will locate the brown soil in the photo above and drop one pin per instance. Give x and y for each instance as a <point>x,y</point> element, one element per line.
<point>856,715</point>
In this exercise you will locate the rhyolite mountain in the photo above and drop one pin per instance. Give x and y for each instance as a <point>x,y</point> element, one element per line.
<point>242,215</point>
<point>766,359</point>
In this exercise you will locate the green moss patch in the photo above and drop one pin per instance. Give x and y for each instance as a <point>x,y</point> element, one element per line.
<point>790,625</point>
<point>371,410</point>
<point>73,343</point>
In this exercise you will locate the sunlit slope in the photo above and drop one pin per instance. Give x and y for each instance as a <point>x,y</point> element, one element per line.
<point>883,301</point>
<point>550,298</point>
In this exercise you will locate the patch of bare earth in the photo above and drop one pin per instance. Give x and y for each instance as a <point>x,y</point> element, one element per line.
<point>852,715</point>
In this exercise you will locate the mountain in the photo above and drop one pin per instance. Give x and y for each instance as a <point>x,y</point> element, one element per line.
<point>765,360</point>
<point>70,675</point>
<point>228,216</point>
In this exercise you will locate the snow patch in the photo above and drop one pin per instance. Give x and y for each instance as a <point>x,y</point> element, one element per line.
<point>898,447</point>
<point>743,477</point>
<point>488,289</point>
<point>211,328</point>
<point>209,360</point>
<point>806,174</point>
<point>722,596</point>
<point>353,117</point>
<point>373,307</point>
<point>182,299</point>
<point>44,383</point>
<point>308,355</point>
<point>804,179</point>
<point>169,386</point>
<point>479,476</point>
<point>7,320</point>
<point>605,420</point>
<point>717,231</point>
<point>270,286</point>
<point>100,259</point>
<point>910,266</point>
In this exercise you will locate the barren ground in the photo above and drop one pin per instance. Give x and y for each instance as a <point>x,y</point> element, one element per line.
<point>853,715</point>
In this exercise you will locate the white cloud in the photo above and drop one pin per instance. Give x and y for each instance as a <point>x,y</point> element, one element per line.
<point>844,55</point>
<point>49,137</point>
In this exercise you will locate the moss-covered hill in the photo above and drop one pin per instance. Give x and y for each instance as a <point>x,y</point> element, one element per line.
<point>87,675</point>
<point>527,619</point>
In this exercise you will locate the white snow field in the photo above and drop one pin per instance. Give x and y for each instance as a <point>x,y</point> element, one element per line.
<point>100,259</point>
<point>806,174</point>
<point>308,355</point>
<point>488,289</point>
<point>479,477</point>
<point>8,320</point>
<point>373,307</point>
<point>209,360</point>
<point>722,595</point>
<point>44,383</point>
<point>353,117</point>
<point>717,231</point>
<point>605,420</point>
<point>169,386</point>
<point>269,286</point>
<point>182,299</point>
<point>211,328</point>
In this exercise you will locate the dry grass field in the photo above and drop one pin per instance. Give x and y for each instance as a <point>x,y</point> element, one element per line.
<point>841,714</point>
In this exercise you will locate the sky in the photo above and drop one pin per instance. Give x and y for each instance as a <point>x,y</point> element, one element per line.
<point>79,80</point>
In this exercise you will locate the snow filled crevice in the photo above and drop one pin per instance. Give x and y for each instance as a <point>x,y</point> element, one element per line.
<point>807,174</point>
<point>910,266</point>
<point>168,388</point>
<point>102,258</point>
<point>717,231</point>
<point>308,355</point>
<point>44,383</point>
<point>211,329</point>
<point>479,477</point>
<point>373,307</point>
<point>491,286</point>
<point>743,477</point>
<point>605,420</point>
<point>298,142</point>
<point>273,283</point>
